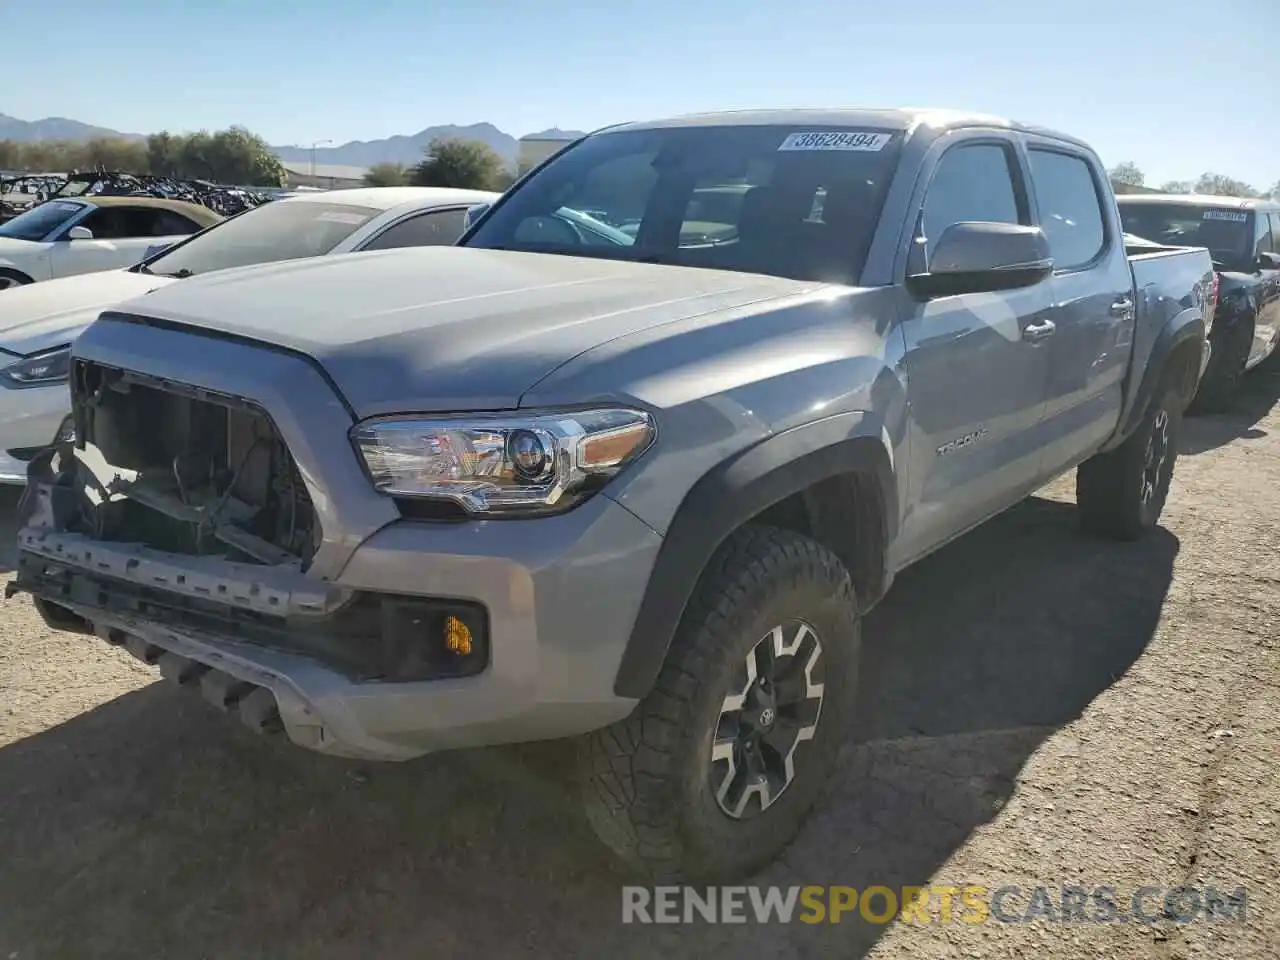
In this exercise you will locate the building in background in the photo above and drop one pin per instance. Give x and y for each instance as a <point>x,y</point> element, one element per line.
<point>326,176</point>
<point>533,150</point>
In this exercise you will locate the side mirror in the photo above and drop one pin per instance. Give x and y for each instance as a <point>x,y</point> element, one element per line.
<point>1269,261</point>
<point>473,214</point>
<point>79,233</point>
<point>982,257</point>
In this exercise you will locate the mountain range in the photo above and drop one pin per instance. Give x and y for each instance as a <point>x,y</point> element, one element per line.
<point>403,148</point>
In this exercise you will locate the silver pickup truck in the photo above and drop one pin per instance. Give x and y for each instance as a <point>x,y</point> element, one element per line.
<point>632,486</point>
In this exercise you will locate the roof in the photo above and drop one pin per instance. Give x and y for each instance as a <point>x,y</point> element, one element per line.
<point>900,118</point>
<point>1203,199</point>
<point>384,198</point>
<point>201,214</point>
<point>332,171</point>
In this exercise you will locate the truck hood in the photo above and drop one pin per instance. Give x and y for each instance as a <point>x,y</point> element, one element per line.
<point>40,316</point>
<point>448,328</point>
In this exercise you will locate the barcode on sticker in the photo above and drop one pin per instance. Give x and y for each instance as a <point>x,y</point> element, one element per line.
<point>335,217</point>
<point>1235,216</point>
<point>836,140</point>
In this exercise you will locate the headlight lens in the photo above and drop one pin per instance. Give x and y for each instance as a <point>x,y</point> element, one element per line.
<point>38,371</point>
<point>503,464</point>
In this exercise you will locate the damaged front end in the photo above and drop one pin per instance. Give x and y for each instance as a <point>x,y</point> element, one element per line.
<point>178,524</point>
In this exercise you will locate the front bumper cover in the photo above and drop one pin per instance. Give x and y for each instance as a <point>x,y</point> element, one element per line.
<point>561,594</point>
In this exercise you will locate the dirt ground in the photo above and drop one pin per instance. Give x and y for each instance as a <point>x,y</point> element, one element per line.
<point>1038,709</point>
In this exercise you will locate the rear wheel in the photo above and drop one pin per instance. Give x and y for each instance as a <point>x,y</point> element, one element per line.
<point>1221,380</point>
<point>12,278</point>
<point>1121,493</point>
<point>714,772</point>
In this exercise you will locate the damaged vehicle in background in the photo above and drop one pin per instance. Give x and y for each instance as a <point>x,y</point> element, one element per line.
<point>640,494</point>
<point>38,322</point>
<point>67,237</point>
<point>1243,237</point>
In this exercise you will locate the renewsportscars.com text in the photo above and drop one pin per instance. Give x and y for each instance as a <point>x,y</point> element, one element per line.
<point>971,904</point>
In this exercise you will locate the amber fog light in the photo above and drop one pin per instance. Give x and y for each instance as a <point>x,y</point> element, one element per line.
<point>433,639</point>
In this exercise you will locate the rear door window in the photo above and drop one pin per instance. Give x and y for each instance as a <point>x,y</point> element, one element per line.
<point>1069,207</point>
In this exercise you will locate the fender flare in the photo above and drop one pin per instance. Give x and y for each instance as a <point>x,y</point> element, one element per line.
<point>729,495</point>
<point>1182,328</point>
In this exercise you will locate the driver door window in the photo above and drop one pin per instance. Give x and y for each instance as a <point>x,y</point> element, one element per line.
<point>438,228</point>
<point>1261,235</point>
<point>109,223</point>
<point>971,182</point>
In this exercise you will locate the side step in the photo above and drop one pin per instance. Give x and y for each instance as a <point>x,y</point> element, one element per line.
<point>255,706</point>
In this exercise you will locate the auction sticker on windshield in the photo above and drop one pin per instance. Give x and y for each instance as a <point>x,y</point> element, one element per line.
<point>836,140</point>
<point>1235,216</point>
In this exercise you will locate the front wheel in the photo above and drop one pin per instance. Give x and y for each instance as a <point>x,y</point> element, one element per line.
<point>712,775</point>
<point>1121,493</point>
<point>1221,381</point>
<point>12,278</point>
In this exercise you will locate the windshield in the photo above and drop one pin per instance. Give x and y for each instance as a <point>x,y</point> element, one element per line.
<point>1227,233</point>
<point>281,230</point>
<point>38,222</point>
<point>761,199</point>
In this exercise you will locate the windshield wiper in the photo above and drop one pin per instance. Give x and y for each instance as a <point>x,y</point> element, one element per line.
<point>177,274</point>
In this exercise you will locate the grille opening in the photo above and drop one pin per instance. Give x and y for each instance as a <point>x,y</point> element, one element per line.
<point>186,470</point>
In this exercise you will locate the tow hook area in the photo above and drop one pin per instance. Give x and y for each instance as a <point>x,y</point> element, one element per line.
<point>254,705</point>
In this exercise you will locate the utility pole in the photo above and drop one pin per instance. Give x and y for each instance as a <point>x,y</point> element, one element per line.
<point>318,143</point>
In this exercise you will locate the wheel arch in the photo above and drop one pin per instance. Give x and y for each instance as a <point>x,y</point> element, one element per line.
<point>832,479</point>
<point>16,274</point>
<point>1174,357</point>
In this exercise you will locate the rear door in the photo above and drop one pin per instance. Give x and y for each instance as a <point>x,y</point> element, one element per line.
<point>1093,301</point>
<point>977,364</point>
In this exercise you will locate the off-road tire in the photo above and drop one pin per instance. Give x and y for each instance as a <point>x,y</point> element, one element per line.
<point>647,780</point>
<point>1110,486</point>
<point>12,278</point>
<point>1221,381</point>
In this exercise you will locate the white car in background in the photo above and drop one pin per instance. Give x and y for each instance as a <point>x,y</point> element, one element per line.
<point>38,322</point>
<point>67,236</point>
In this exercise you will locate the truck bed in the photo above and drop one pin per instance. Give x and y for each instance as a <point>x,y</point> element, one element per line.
<point>1167,281</point>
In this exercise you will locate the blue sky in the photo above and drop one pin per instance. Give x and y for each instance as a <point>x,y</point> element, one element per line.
<point>1180,87</point>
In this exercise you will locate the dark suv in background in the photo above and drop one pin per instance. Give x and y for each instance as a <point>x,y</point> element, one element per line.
<point>1244,238</point>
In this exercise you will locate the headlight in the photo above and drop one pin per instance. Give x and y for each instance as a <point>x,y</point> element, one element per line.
<point>38,371</point>
<point>503,464</point>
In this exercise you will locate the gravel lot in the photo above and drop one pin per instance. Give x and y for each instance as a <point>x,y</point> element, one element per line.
<point>1038,708</point>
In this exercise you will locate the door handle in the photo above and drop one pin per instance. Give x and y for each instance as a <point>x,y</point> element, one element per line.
<point>1038,331</point>
<point>1122,307</point>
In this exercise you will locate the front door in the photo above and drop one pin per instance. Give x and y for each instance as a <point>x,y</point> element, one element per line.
<point>1266,331</point>
<point>977,364</point>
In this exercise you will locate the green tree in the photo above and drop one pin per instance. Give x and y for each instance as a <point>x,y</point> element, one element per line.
<point>387,175</point>
<point>1220,185</point>
<point>1275,191</point>
<point>459,163</point>
<point>163,151</point>
<point>10,155</point>
<point>113,153</point>
<point>1128,173</point>
<point>232,156</point>
<point>1176,186</point>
